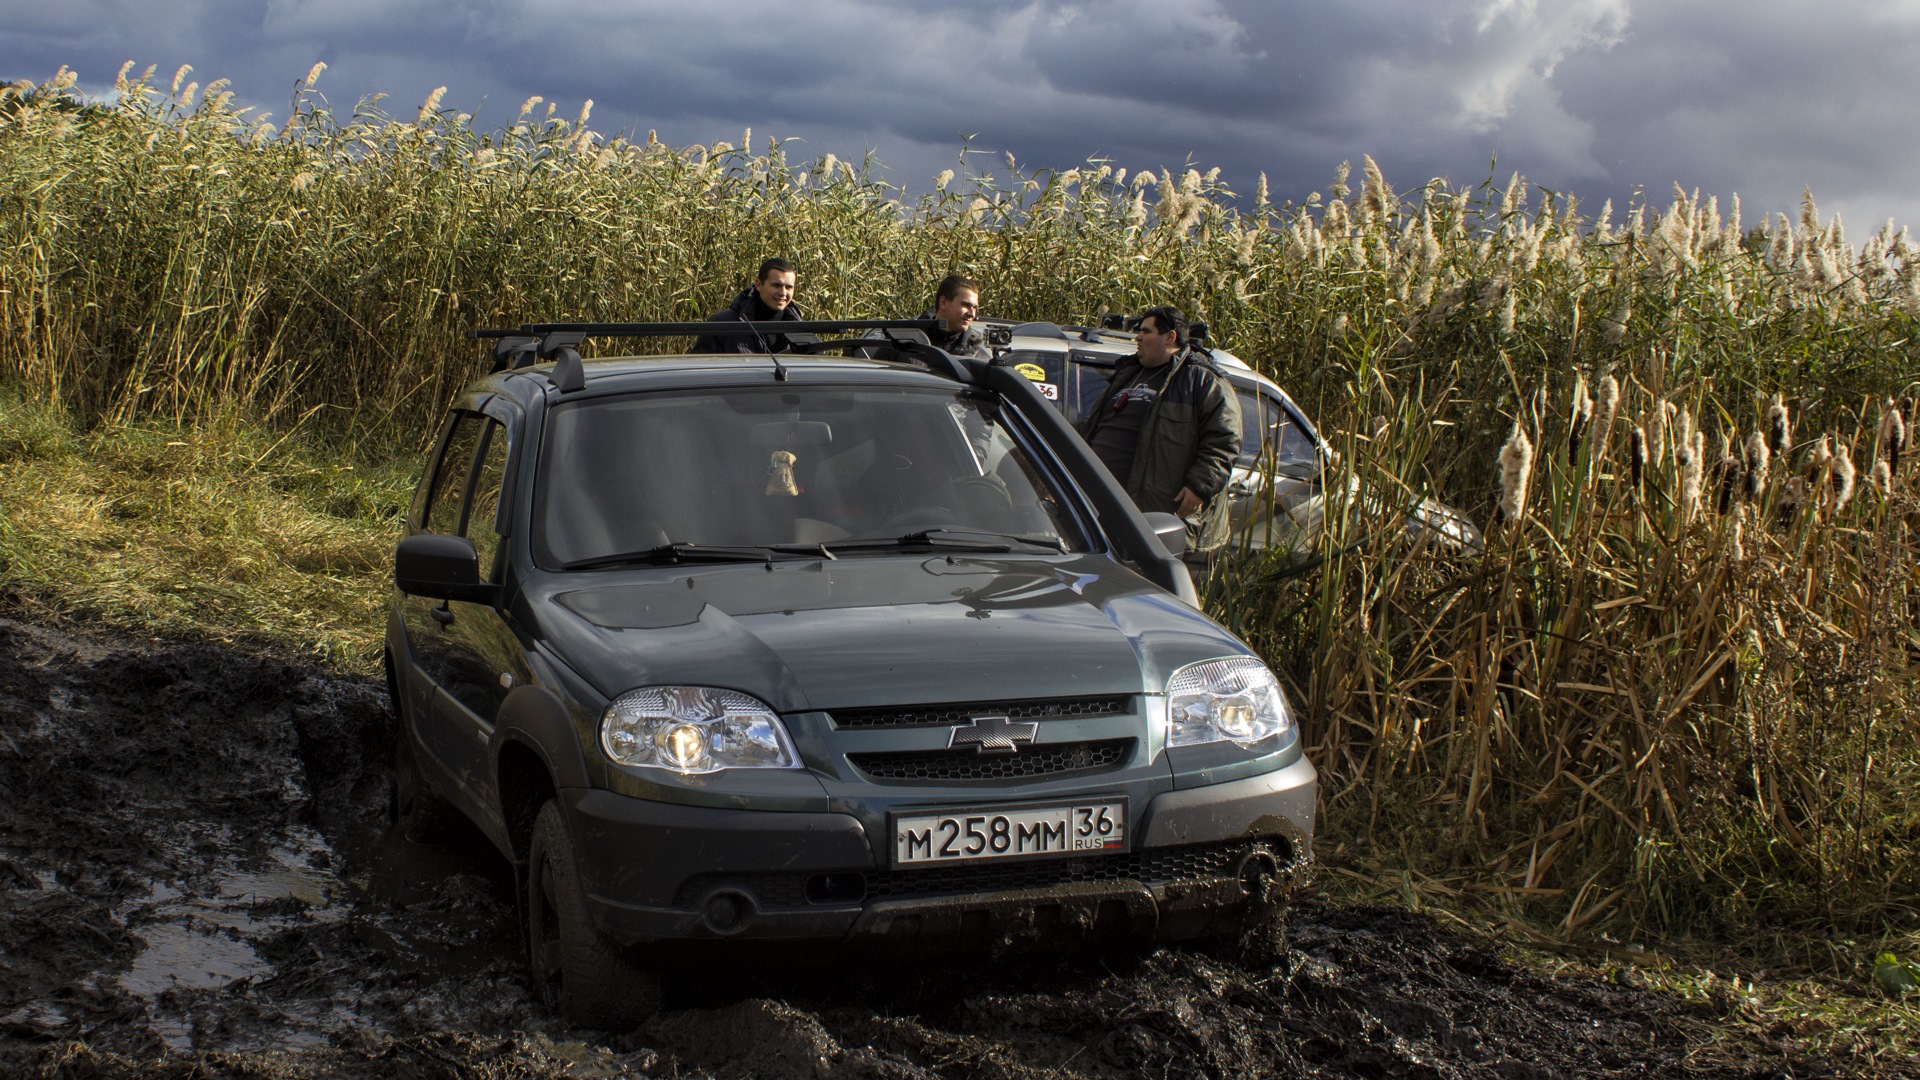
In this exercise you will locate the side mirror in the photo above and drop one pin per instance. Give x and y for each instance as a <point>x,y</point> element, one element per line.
<point>441,567</point>
<point>1171,531</point>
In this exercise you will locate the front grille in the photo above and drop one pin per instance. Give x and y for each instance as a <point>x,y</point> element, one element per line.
<point>1190,865</point>
<point>969,764</point>
<point>957,714</point>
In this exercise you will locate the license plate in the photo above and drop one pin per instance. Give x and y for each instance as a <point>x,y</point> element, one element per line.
<point>946,836</point>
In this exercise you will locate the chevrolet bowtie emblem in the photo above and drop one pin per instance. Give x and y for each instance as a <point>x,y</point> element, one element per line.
<point>993,735</point>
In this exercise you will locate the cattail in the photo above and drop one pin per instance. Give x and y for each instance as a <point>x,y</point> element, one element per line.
<point>1882,477</point>
<point>1843,477</point>
<point>1822,456</point>
<point>1689,452</point>
<point>1756,465</point>
<point>1726,474</point>
<point>1794,499</point>
<point>1636,453</point>
<point>1516,462</point>
<point>1608,407</point>
<point>940,182</point>
<point>1893,437</point>
<point>1779,432</point>
<point>1658,422</point>
<point>1736,547</point>
<point>1582,411</point>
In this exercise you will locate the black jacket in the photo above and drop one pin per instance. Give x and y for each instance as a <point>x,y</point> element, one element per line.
<point>747,307</point>
<point>968,342</point>
<point>1190,440</point>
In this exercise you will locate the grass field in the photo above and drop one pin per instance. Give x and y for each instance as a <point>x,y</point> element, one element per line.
<point>1671,703</point>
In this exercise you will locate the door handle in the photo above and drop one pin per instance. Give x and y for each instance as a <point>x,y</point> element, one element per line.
<point>442,615</point>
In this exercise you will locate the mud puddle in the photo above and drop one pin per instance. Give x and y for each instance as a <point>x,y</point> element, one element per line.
<point>196,880</point>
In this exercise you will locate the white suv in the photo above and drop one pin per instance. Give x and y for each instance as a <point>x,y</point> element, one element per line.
<point>1278,478</point>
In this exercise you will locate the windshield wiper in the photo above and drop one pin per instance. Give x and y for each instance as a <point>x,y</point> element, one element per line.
<point>969,539</point>
<point>687,551</point>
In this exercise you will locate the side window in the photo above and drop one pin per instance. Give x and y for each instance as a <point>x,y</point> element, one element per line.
<point>1256,421</point>
<point>450,477</point>
<point>1086,383</point>
<point>483,520</point>
<point>1047,370</point>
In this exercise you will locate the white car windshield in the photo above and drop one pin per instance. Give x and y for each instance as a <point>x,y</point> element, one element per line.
<point>783,467</point>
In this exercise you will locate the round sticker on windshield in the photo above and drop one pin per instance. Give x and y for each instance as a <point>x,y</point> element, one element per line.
<point>1032,371</point>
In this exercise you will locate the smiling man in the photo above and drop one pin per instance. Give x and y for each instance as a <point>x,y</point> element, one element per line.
<point>957,301</point>
<point>768,299</point>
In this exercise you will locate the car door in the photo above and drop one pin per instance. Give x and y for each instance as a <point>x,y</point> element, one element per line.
<point>442,500</point>
<point>484,657</point>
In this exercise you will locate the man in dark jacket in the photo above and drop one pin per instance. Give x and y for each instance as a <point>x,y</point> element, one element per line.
<point>1168,427</point>
<point>957,300</point>
<point>770,298</point>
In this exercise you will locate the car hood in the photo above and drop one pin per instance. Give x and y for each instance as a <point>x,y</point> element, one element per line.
<point>876,630</point>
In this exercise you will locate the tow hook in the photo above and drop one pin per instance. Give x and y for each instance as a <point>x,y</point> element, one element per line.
<point>1258,873</point>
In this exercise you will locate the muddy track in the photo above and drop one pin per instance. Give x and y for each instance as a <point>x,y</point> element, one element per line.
<point>195,880</point>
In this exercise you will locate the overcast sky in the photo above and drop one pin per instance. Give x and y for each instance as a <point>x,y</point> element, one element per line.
<point>1596,97</point>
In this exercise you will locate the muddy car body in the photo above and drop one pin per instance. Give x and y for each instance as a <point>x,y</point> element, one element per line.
<point>1278,484</point>
<point>821,648</point>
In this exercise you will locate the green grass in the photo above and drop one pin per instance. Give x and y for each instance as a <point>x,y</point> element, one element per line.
<point>224,528</point>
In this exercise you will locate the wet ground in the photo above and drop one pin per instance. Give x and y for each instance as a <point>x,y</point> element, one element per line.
<point>196,880</point>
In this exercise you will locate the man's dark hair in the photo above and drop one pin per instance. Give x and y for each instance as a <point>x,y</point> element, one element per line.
<point>1165,319</point>
<point>951,285</point>
<point>774,266</point>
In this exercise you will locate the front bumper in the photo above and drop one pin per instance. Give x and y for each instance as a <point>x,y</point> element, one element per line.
<point>659,872</point>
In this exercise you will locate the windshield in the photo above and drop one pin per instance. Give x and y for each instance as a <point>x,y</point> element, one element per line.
<point>777,467</point>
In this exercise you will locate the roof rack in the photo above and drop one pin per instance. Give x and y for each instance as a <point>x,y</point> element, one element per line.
<point>531,343</point>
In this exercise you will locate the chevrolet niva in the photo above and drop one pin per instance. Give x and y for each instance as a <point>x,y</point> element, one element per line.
<point>853,644</point>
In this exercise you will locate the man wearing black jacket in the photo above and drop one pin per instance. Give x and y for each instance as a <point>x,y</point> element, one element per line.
<point>957,300</point>
<point>768,299</point>
<point>1168,427</point>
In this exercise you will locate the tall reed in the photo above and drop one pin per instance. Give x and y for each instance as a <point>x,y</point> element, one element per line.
<point>1675,686</point>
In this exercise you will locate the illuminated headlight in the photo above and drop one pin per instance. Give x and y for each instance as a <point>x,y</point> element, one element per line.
<point>694,729</point>
<point>1235,699</point>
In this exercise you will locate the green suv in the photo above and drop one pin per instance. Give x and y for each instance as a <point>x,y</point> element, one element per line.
<point>856,643</point>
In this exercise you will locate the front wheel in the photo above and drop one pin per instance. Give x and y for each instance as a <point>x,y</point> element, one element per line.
<point>576,970</point>
<point>1259,942</point>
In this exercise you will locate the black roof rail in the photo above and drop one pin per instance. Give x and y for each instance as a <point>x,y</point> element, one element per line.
<point>530,343</point>
<point>719,326</point>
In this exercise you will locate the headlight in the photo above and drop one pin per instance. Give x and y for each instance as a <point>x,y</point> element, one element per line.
<point>1235,699</point>
<point>694,729</point>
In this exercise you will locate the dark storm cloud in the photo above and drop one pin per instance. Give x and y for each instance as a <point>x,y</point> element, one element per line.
<point>1597,97</point>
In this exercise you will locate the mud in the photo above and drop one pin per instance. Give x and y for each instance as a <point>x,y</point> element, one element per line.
<point>196,880</point>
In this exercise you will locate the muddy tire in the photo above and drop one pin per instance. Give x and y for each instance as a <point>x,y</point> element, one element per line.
<point>420,813</point>
<point>576,970</point>
<point>1260,943</point>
